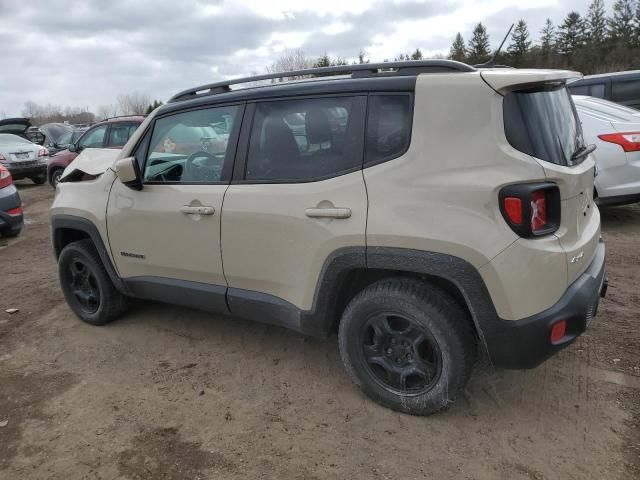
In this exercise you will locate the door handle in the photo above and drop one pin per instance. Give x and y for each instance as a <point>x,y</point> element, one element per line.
<point>335,212</point>
<point>198,210</point>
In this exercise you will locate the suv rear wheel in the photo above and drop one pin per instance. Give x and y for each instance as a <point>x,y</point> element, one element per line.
<point>409,346</point>
<point>39,179</point>
<point>86,284</point>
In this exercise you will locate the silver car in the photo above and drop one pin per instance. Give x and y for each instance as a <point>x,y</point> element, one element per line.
<point>23,159</point>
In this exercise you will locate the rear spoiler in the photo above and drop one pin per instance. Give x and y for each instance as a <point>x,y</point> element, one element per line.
<point>506,80</point>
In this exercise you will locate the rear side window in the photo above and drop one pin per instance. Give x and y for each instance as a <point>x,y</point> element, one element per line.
<point>543,123</point>
<point>119,134</point>
<point>597,90</point>
<point>580,90</point>
<point>306,139</point>
<point>625,91</point>
<point>388,127</point>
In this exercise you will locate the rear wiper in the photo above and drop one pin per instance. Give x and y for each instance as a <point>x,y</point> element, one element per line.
<point>582,152</point>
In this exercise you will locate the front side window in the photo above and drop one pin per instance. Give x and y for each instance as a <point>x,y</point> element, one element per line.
<point>305,140</point>
<point>190,147</point>
<point>119,134</point>
<point>94,138</point>
<point>388,127</point>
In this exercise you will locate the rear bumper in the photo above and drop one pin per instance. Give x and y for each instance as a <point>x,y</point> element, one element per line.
<point>618,200</point>
<point>526,343</point>
<point>9,199</point>
<point>18,172</point>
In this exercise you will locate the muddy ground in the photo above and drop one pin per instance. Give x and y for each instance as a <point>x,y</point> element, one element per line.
<point>170,393</point>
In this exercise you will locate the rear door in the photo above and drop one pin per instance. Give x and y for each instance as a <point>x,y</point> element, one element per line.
<point>298,195</point>
<point>542,121</point>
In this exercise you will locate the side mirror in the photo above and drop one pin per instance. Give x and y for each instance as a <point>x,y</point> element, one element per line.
<point>73,147</point>
<point>128,172</point>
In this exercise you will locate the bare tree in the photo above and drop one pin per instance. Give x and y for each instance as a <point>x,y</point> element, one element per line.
<point>134,103</point>
<point>290,61</point>
<point>106,111</point>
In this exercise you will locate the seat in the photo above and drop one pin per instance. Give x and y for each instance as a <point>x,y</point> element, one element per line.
<point>318,127</point>
<point>279,149</point>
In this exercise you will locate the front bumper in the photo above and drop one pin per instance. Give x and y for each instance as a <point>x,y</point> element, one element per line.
<point>33,168</point>
<point>527,343</point>
<point>9,200</point>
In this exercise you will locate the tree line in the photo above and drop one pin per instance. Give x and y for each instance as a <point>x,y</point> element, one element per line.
<point>595,41</point>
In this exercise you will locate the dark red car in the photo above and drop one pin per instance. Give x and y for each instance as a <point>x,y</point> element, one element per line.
<point>110,133</point>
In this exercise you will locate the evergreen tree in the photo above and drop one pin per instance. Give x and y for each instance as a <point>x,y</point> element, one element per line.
<point>458,51</point>
<point>323,61</point>
<point>520,41</point>
<point>417,55</point>
<point>571,34</point>
<point>479,47</point>
<point>596,23</point>
<point>621,25</point>
<point>548,37</point>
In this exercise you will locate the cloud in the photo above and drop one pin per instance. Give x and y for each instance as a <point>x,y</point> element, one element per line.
<point>86,52</point>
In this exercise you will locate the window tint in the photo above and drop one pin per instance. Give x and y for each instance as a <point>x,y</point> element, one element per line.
<point>119,134</point>
<point>628,90</point>
<point>597,90</point>
<point>543,123</point>
<point>306,139</point>
<point>94,138</point>
<point>190,147</point>
<point>388,127</point>
<point>580,90</point>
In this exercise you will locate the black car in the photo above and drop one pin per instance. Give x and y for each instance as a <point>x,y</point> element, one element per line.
<point>10,206</point>
<point>619,87</point>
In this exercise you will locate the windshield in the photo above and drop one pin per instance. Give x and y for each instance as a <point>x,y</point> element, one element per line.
<point>8,138</point>
<point>543,123</point>
<point>65,138</point>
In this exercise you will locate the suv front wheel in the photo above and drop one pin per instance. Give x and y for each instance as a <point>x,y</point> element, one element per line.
<point>86,284</point>
<point>408,345</point>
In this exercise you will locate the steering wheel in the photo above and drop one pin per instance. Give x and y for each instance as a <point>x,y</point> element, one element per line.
<point>196,172</point>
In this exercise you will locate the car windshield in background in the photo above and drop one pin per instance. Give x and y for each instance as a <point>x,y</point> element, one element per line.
<point>8,138</point>
<point>543,123</point>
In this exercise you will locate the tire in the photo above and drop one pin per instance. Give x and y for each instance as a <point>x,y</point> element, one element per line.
<point>86,285</point>
<point>409,346</point>
<point>39,180</point>
<point>55,177</point>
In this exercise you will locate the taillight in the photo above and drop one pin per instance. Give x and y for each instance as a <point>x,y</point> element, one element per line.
<point>15,212</point>
<point>5,177</point>
<point>43,152</point>
<point>531,209</point>
<point>630,142</point>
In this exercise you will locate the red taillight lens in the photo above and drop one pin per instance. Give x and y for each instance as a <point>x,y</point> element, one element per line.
<point>5,177</point>
<point>538,210</point>
<point>558,331</point>
<point>513,209</point>
<point>630,142</point>
<point>531,209</point>
<point>15,212</point>
<point>43,152</point>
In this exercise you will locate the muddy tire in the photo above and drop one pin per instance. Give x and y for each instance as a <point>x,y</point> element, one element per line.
<point>409,346</point>
<point>86,285</point>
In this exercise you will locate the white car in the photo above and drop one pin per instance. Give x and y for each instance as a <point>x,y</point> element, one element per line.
<point>615,130</point>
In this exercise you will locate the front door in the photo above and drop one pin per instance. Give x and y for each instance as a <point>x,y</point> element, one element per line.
<point>168,233</point>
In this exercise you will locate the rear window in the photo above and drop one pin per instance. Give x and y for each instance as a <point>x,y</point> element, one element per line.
<point>543,123</point>
<point>625,91</point>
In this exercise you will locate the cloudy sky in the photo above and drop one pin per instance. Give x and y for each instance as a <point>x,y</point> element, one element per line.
<point>84,53</point>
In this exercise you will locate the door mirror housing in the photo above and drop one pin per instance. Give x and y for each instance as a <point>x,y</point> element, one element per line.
<point>72,147</point>
<point>128,173</point>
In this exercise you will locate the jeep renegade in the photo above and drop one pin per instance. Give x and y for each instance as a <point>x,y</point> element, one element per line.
<point>428,212</point>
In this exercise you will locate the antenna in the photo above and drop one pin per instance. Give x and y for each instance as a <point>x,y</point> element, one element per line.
<point>489,62</point>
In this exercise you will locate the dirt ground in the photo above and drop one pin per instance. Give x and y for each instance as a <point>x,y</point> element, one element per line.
<point>170,393</point>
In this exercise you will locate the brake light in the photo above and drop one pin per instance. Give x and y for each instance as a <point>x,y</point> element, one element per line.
<point>43,152</point>
<point>531,209</point>
<point>630,142</point>
<point>5,177</point>
<point>15,212</point>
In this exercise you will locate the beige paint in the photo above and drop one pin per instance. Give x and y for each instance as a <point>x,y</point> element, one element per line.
<point>125,170</point>
<point>271,245</point>
<point>151,222</point>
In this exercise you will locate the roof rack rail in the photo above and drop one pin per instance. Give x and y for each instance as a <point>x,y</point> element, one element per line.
<point>125,116</point>
<point>362,70</point>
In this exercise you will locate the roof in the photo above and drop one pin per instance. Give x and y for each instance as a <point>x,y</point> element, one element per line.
<point>628,73</point>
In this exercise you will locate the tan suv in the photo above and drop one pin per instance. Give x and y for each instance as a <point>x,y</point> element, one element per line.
<point>427,212</point>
